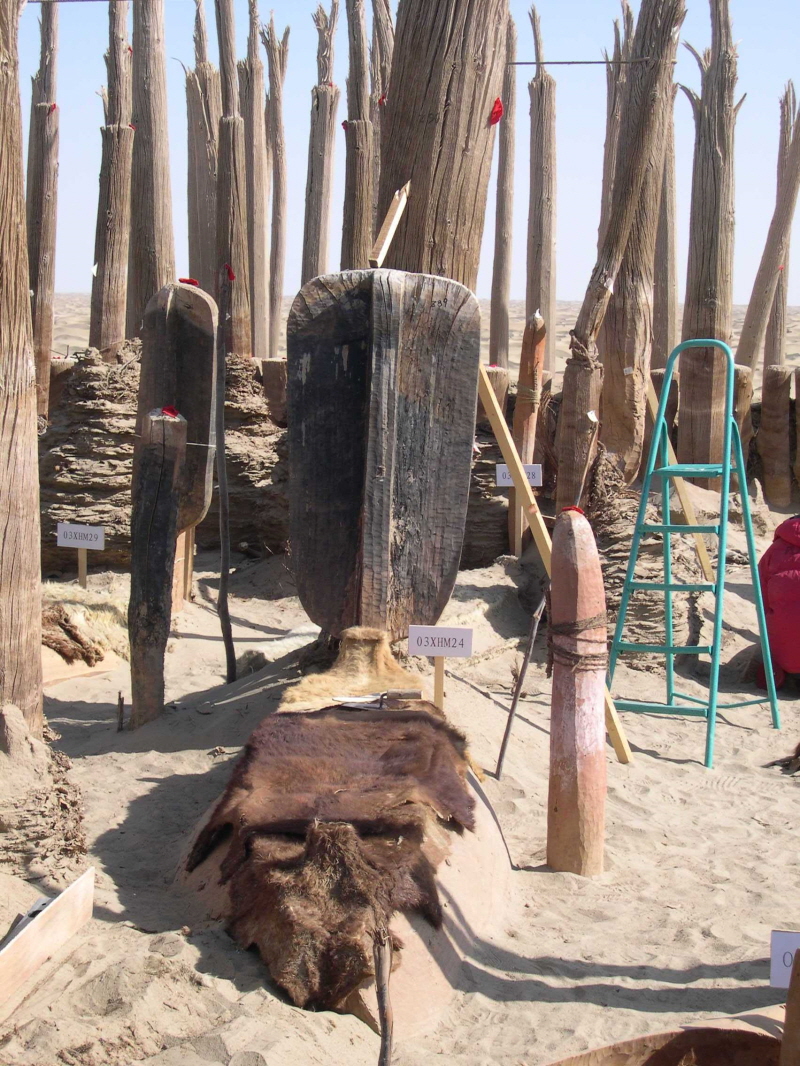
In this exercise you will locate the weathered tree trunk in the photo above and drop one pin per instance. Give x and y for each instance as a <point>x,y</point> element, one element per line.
<point>666,326</point>
<point>204,109</point>
<point>357,222</point>
<point>110,283</point>
<point>616,78</point>
<point>42,189</point>
<point>152,247</point>
<point>773,440</point>
<point>251,83</point>
<point>709,280</point>
<point>657,377</point>
<point>321,147</point>
<point>540,294</point>
<point>380,70</point>
<point>20,589</point>
<point>526,413</point>
<point>273,374</point>
<point>773,257</point>
<point>504,210</point>
<point>447,72</point>
<point>775,342</point>
<point>656,29</point>
<point>277,57</point>
<point>743,409</point>
<point>232,251</point>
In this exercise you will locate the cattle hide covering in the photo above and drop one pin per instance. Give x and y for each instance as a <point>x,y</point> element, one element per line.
<point>324,819</point>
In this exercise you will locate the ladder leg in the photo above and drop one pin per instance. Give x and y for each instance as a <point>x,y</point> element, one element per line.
<point>667,556</point>
<point>766,655</point>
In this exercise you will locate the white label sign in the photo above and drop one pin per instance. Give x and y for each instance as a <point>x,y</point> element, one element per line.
<point>783,946</point>
<point>533,472</point>
<point>71,535</point>
<point>455,643</point>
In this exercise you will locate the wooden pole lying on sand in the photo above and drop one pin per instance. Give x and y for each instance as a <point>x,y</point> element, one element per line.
<point>577,647</point>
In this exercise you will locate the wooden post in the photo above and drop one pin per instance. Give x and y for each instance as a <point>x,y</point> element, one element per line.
<point>666,328</point>
<point>251,87</point>
<point>152,249</point>
<point>775,342</point>
<point>83,568</point>
<point>42,189</point>
<point>380,69</point>
<point>657,380</point>
<point>743,409</point>
<point>321,149</point>
<point>273,374</point>
<point>204,110</point>
<point>790,1044</point>
<point>504,209</point>
<point>111,242</point>
<point>438,681</point>
<point>357,224</point>
<point>499,379</point>
<point>577,622</point>
<point>709,295</point>
<point>20,567</point>
<point>447,66</point>
<point>772,441</point>
<point>526,413</point>
<point>232,250</point>
<point>540,293</point>
<point>277,58</point>
<point>616,77</point>
<point>154,528</point>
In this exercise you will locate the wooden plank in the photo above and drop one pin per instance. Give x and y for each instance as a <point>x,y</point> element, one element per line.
<point>45,935</point>
<point>540,533</point>
<point>389,227</point>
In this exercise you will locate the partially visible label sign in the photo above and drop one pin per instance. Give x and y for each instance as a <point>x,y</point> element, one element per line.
<point>71,535</point>
<point>533,472</point>
<point>783,946</point>
<point>444,641</point>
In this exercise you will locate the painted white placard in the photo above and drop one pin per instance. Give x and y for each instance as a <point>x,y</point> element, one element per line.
<point>445,641</point>
<point>783,945</point>
<point>533,472</point>
<point>72,535</point>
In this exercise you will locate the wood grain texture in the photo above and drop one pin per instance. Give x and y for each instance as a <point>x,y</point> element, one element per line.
<point>773,441</point>
<point>504,208</point>
<point>526,412</point>
<point>775,341</point>
<point>20,588</point>
<point>380,70</point>
<point>616,77</point>
<point>357,230</point>
<point>382,378</point>
<point>743,409</point>
<point>666,321</point>
<point>273,375</point>
<point>277,58</point>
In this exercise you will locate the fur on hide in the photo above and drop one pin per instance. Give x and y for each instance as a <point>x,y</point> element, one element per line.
<point>324,819</point>
<point>83,623</point>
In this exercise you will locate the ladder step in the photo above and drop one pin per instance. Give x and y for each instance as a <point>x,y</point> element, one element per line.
<point>723,706</point>
<point>659,708</point>
<point>656,586</point>
<point>689,470</point>
<point>666,649</point>
<point>671,527</point>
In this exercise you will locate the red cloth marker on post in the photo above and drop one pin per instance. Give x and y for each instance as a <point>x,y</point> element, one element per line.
<point>497,112</point>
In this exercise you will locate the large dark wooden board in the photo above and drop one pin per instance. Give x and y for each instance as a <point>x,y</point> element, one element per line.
<point>382,388</point>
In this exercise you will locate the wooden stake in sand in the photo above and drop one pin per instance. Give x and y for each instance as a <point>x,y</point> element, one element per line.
<point>775,342</point>
<point>773,440</point>
<point>42,188</point>
<point>577,648</point>
<point>277,58</point>
<point>526,413</point>
<point>504,209</point>
<point>357,224</point>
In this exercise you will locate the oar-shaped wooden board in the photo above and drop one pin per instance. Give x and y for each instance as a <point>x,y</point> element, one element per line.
<point>381,397</point>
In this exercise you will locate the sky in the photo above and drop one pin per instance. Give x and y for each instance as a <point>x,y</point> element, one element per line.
<point>767,38</point>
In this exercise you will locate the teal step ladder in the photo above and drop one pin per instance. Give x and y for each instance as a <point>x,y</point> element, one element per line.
<point>658,466</point>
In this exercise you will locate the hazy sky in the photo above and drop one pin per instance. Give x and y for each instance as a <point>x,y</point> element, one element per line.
<point>767,36</point>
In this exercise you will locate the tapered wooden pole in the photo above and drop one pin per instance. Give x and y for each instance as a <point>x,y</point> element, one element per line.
<point>616,78</point>
<point>152,246</point>
<point>277,58</point>
<point>357,222</point>
<point>775,342</point>
<point>504,209</point>
<point>577,792</point>
<point>20,588</point>
<point>540,293</point>
<point>526,412</point>
<point>42,188</point>
<point>773,441</point>
<point>666,321</point>
<point>204,111</point>
<point>111,243</point>
<point>321,148</point>
<point>380,69</point>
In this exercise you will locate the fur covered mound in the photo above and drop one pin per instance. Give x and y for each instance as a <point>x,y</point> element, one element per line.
<point>324,819</point>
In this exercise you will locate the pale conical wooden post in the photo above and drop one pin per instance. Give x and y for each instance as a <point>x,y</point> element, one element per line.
<point>380,69</point>
<point>20,589</point>
<point>773,442</point>
<point>321,148</point>
<point>504,209</point>
<point>110,283</point>
<point>357,223</point>
<point>277,58</point>
<point>204,111</point>
<point>707,309</point>
<point>152,248</point>
<point>251,86</point>
<point>526,412</point>
<point>775,342</point>
<point>666,323</point>
<point>577,793</point>
<point>42,188</point>
<point>540,293</point>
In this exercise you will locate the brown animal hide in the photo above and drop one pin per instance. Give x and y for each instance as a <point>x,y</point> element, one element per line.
<point>324,820</point>
<point>60,633</point>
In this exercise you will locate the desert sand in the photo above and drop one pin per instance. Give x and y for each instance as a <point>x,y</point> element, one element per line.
<point>700,865</point>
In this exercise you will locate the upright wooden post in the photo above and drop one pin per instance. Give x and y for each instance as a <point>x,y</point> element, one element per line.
<point>743,409</point>
<point>251,85</point>
<point>540,293</point>
<point>152,248</point>
<point>504,209</point>
<point>20,589</point>
<point>790,1044</point>
<point>204,111</point>
<point>526,412</point>
<point>277,58</point>
<point>772,441</point>
<point>616,78</point>
<point>357,224</point>
<point>321,147</point>
<point>154,528</point>
<point>110,283</point>
<point>42,189</point>
<point>709,294</point>
<point>380,70</point>
<point>666,324</point>
<point>577,793</point>
<point>447,66</point>
<point>775,342</point>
